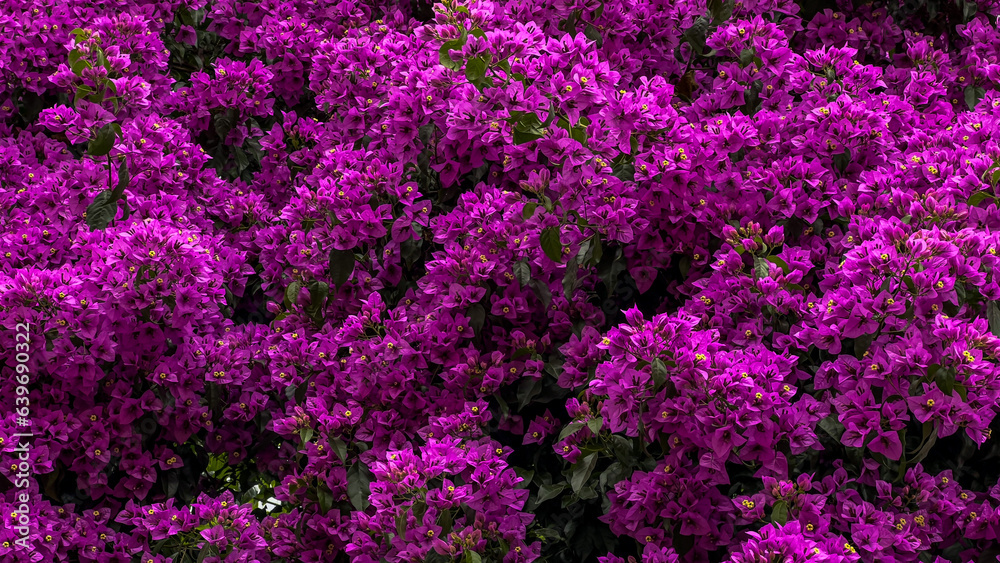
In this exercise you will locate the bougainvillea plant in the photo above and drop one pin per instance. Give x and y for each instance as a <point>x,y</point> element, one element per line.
<point>499,281</point>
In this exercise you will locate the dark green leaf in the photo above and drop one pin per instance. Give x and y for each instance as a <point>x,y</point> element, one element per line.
<point>779,262</point>
<point>695,35</point>
<point>341,266</point>
<point>101,211</point>
<point>79,66</point>
<point>444,55</point>
<point>411,250</point>
<point>306,434</point>
<point>832,426</point>
<point>551,244</point>
<point>945,380</point>
<point>318,292</point>
<point>659,373</point>
<point>529,210</point>
<point>972,96</point>
<point>977,197</point>
<point>242,161</point>
<point>102,143</point>
<point>358,485</point>
<point>446,520</point>
<point>779,513</point>
<point>993,316</point>
<point>592,33</point>
<point>547,492</point>
<point>525,136</point>
<point>570,279</point>
<point>570,429</point>
<point>595,424</point>
<point>224,122</point>
<point>596,251</point>
<point>477,317</point>
<point>840,161</point>
<point>123,178</point>
<point>761,267</point>
<point>325,497</point>
<point>542,291</point>
<point>292,293</point>
<point>339,448</point>
<point>581,471</point>
<point>522,272</point>
<point>862,344</point>
<point>714,6</point>
<point>475,69</point>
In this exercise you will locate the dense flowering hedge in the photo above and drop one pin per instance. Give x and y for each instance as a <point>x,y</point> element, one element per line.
<point>501,281</point>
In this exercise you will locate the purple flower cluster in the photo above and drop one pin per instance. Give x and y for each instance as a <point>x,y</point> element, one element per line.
<point>483,280</point>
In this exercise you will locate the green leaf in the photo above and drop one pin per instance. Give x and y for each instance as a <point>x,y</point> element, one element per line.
<point>862,343</point>
<point>529,388</point>
<point>446,520</point>
<point>972,96</point>
<point>80,65</point>
<point>473,557</point>
<point>318,292</point>
<point>475,69</point>
<point>596,251</point>
<point>592,33</point>
<point>359,480</point>
<point>659,373</point>
<point>477,317</point>
<point>306,434</point>
<point>242,160</point>
<point>779,513</point>
<point>945,380</point>
<point>581,471</point>
<point>325,497</point>
<point>761,267</point>
<point>103,142</point>
<point>529,210</point>
<point>292,293</point>
<point>551,244</point>
<point>341,266</point>
<point>123,179</point>
<point>977,197</point>
<point>548,492</point>
<point>570,429</point>
<point>224,122</point>
<point>714,6</point>
<point>521,136</point>
<point>444,55</point>
<point>779,262</point>
<point>102,210</point>
<point>993,316</point>
<point>595,424</point>
<point>840,161</point>
<point>570,279</point>
<point>696,34</point>
<point>721,10</point>
<point>522,272</point>
<point>339,448</point>
<point>832,426</point>
<point>542,291</point>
